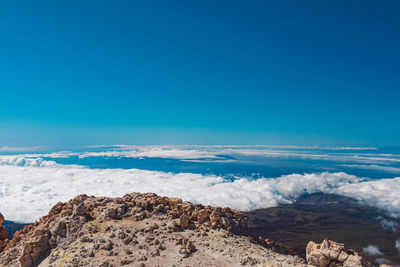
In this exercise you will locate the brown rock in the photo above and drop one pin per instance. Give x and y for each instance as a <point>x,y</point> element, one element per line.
<point>79,209</point>
<point>352,261</point>
<point>3,234</point>
<point>214,218</point>
<point>224,222</point>
<point>331,249</point>
<point>90,231</point>
<point>330,253</point>
<point>202,215</point>
<point>108,245</point>
<point>187,247</point>
<point>173,202</point>
<point>34,250</point>
<point>110,213</point>
<point>184,221</point>
<point>155,252</point>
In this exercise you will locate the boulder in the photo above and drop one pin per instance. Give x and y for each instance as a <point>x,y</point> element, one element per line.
<point>35,249</point>
<point>202,215</point>
<point>330,253</point>
<point>184,221</point>
<point>187,247</point>
<point>3,233</point>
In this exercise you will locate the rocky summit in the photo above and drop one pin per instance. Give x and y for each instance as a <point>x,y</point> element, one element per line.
<point>150,230</point>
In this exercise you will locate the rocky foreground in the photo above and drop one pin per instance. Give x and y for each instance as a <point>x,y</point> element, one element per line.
<point>149,230</point>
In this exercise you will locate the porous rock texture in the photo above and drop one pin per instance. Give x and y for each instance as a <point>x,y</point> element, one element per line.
<point>332,254</point>
<point>140,230</point>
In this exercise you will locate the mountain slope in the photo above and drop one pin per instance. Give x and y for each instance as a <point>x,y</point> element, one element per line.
<point>140,230</point>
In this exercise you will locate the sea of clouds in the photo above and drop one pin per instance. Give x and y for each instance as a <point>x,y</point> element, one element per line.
<point>340,154</point>
<point>29,187</point>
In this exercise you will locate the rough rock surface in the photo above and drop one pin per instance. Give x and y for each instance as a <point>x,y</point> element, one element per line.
<point>3,234</point>
<point>330,253</point>
<point>141,230</point>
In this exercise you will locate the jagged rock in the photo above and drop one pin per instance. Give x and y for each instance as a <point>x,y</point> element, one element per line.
<point>202,215</point>
<point>173,202</point>
<point>35,249</point>
<point>79,209</point>
<point>184,221</point>
<point>138,229</point>
<point>224,222</point>
<point>3,234</point>
<point>330,253</point>
<point>58,231</point>
<point>111,213</point>
<point>187,247</point>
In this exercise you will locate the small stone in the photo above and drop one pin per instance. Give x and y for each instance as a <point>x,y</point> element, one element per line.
<point>155,252</point>
<point>127,240</point>
<point>142,258</point>
<point>202,215</point>
<point>184,221</point>
<point>108,245</point>
<point>79,209</point>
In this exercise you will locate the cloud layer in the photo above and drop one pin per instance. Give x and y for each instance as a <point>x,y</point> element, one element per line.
<point>29,189</point>
<point>32,162</point>
<point>352,155</point>
<point>18,148</point>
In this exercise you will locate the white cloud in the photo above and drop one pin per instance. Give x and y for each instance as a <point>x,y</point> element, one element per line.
<point>211,152</point>
<point>304,154</point>
<point>374,167</point>
<point>32,162</point>
<point>155,152</point>
<point>23,161</point>
<point>186,152</point>
<point>372,250</point>
<point>18,148</point>
<point>236,146</point>
<point>383,194</point>
<point>387,224</point>
<point>30,187</point>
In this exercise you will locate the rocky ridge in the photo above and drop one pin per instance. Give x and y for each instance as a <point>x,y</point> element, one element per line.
<point>140,230</point>
<point>150,230</point>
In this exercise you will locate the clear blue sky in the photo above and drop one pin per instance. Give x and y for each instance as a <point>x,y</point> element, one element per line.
<point>208,72</point>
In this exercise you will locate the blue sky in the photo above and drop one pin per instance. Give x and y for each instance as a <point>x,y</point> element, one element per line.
<point>205,72</point>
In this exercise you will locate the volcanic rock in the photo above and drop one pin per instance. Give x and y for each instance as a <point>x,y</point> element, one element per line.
<point>138,229</point>
<point>3,234</point>
<point>330,253</point>
<point>149,230</point>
